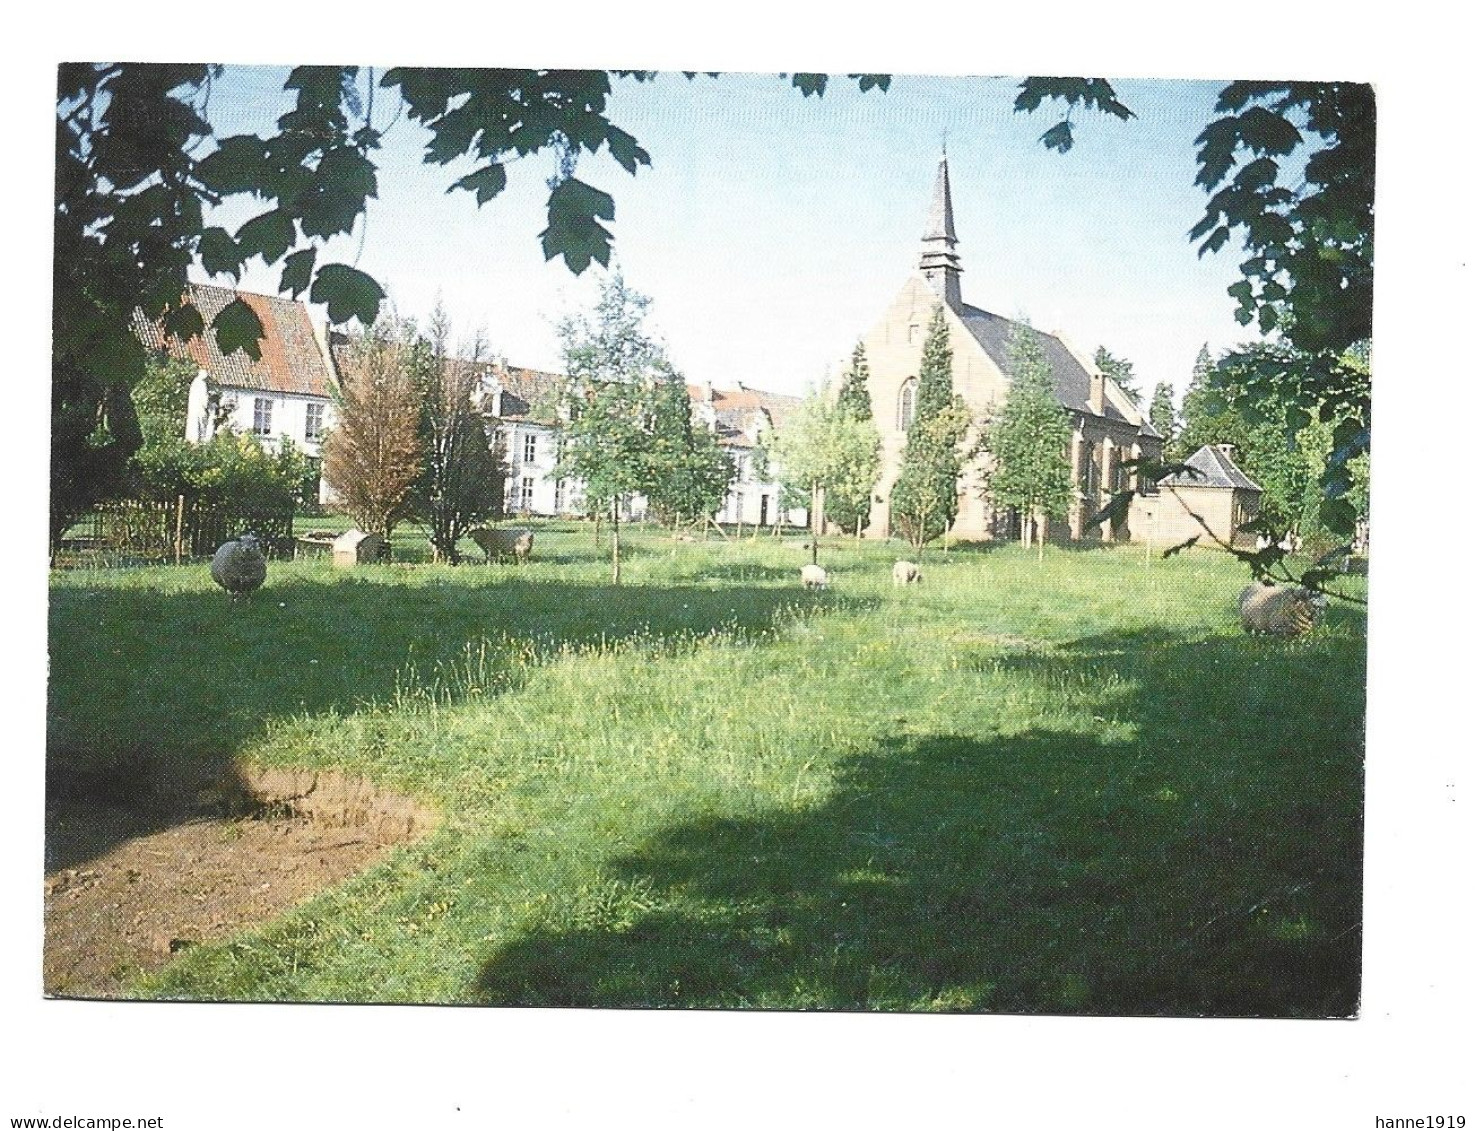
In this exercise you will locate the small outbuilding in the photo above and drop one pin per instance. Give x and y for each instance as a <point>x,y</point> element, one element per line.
<point>1216,495</point>
<point>358,548</point>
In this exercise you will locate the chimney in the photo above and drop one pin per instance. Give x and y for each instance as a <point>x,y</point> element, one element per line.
<point>1098,392</point>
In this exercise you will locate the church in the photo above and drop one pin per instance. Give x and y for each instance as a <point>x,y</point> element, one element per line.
<point>1107,426</point>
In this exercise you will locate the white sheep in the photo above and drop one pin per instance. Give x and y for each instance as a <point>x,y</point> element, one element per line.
<point>517,544</point>
<point>239,567</point>
<point>906,573</point>
<point>1280,610</point>
<point>814,577</point>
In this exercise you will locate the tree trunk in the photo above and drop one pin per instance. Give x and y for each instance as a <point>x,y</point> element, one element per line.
<point>614,531</point>
<point>814,521</point>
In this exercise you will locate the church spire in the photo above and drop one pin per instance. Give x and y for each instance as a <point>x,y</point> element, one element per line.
<point>940,262</point>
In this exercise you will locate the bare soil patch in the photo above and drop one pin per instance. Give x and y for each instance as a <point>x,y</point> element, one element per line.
<point>133,881</point>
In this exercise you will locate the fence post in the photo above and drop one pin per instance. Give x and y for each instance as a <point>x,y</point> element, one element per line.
<point>179,532</point>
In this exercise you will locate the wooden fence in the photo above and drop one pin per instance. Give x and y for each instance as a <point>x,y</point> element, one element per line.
<point>148,532</point>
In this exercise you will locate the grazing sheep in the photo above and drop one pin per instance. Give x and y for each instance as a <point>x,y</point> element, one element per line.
<point>1280,610</point>
<point>814,577</point>
<point>239,567</point>
<point>516,544</point>
<point>906,573</point>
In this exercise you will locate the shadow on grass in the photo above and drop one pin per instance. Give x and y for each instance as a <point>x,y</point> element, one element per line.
<point>1208,865</point>
<point>153,693</point>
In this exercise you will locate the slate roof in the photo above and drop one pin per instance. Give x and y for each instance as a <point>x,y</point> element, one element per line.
<point>291,359</point>
<point>1218,470</point>
<point>1072,381</point>
<point>528,394</point>
<point>734,409</point>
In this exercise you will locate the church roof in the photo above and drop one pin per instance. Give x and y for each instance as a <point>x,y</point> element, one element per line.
<point>1072,382</point>
<point>1216,468</point>
<point>940,218</point>
<point>529,394</point>
<point>291,360</point>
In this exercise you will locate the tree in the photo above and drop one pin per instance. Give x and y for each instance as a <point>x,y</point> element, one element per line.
<point>1289,167</point>
<point>463,477</point>
<point>824,451</point>
<point>1162,414</point>
<point>1255,397</point>
<point>1029,441</point>
<point>848,495</point>
<point>690,471</point>
<point>372,454</point>
<point>924,499</point>
<point>1119,369</point>
<point>138,163</point>
<point>617,373</point>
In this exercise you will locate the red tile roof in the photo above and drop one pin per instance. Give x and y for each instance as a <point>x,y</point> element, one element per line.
<point>291,359</point>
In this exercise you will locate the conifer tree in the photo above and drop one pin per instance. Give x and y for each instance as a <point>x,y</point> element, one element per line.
<point>848,497</point>
<point>1163,415</point>
<point>855,390</point>
<point>1119,369</point>
<point>1029,441</point>
<point>924,500</point>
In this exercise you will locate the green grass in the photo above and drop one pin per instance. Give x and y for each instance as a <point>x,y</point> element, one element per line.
<point>1067,786</point>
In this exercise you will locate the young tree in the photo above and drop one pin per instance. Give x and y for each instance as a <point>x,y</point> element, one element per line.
<point>371,456</point>
<point>924,499</point>
<point>690,471</point>
<point>1119,369</point>
<point>822,452</point>
<point>848,497</point>
<point>616,374</point>
<point>1162,414</point>
<point>1030,440</point>
<point>463,478</point>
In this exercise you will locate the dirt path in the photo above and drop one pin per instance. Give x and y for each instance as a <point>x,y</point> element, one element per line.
<point>138,888</point>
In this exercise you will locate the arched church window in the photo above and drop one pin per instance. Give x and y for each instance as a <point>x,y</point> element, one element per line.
<point>906,408</point>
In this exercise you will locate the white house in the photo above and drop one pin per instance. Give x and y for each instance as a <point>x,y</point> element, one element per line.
<point>287,392</point>
<point>526,403</point>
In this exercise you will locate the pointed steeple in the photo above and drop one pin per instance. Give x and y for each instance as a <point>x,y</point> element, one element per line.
<point>940,262</point>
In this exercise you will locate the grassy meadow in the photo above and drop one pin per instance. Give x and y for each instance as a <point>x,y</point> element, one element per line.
<point>1068,785</point>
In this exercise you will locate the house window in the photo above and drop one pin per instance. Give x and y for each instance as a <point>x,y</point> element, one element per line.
<point>261,423</point>
<point>912,331</point>
<point>527,492</point>
<point>529,448</point>
<point>906,408</point>
<point>558,497</point>
<point>314,429</point>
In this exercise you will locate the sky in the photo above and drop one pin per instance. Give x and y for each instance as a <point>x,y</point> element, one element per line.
<point>771,230</point>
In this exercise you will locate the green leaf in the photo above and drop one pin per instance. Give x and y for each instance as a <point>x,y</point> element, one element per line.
<point>237,328</point>
<point>625,149</point>
<point>810,83</point>
<point>349,173</point>
<point>574,231</point>
<point>297,271</point>
<point>348,293</point>
<point>236,166</point>
<point>218,253</point>
<point>1058,137</point>
<point>183,321</point>
<point>486,182</point>
<point>268,235</point>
